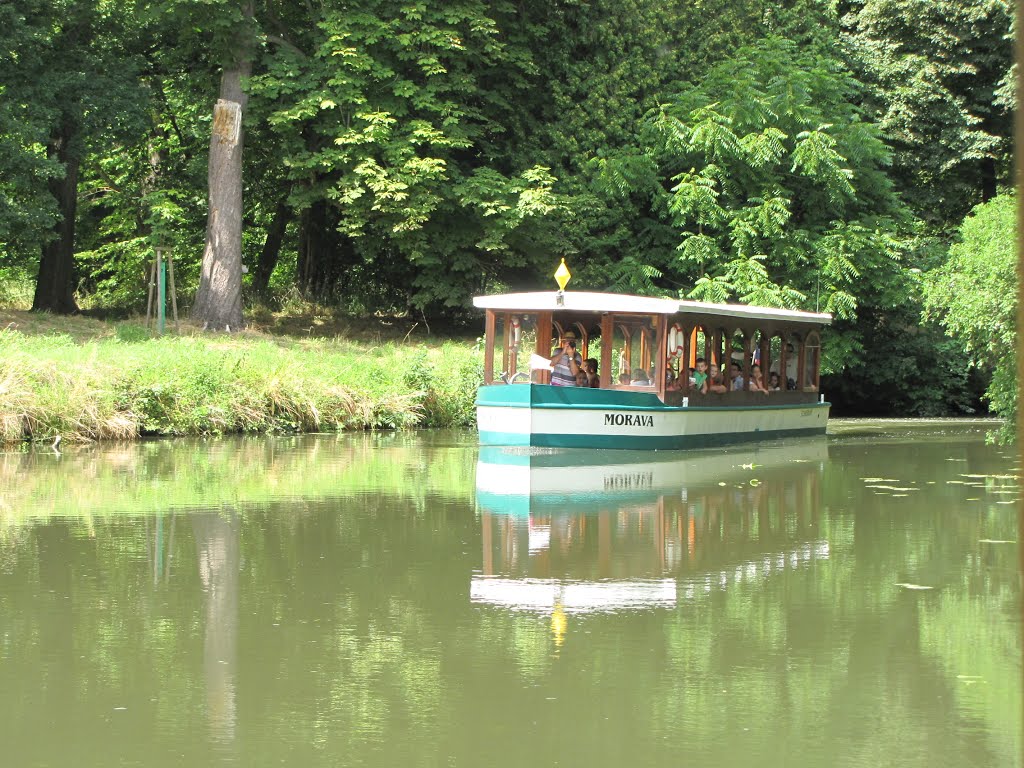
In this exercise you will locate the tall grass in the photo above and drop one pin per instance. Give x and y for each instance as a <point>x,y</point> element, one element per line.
<point>128,385</point>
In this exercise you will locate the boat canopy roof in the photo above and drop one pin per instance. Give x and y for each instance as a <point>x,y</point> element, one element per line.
<point>583,301</point>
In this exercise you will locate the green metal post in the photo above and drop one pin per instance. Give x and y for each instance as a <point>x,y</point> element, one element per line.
<point>161,293</point>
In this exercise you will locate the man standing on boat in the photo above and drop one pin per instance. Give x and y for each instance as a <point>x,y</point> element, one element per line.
<point>565,362</point>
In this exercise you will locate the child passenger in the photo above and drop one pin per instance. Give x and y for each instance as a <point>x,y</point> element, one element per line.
<point>757,380</point>
<point>700,376</point>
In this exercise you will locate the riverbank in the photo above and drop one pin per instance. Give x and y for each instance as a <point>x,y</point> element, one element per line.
<point>85,379</point>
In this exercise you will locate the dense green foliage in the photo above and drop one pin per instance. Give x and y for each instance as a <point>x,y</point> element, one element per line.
<point>402,156</point>
<point>974,295</point>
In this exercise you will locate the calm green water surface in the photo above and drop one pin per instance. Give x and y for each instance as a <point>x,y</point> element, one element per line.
<point>403,600</point>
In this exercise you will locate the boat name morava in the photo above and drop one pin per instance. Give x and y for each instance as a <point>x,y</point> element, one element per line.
<point>627,420</point>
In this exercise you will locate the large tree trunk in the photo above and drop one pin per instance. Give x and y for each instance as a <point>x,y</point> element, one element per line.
<point>218,304</point>
<point>54,286</point>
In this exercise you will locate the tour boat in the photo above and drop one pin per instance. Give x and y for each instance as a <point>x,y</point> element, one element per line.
<point>646,350</point>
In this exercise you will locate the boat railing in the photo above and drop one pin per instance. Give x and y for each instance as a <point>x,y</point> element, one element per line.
<point>744,399</point>
<point>514,378</point>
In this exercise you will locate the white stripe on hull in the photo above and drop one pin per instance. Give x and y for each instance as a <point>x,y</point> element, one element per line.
<point>609,422</point>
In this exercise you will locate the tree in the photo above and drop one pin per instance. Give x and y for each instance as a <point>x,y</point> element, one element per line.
<point>27,210</point>
<point>390,119</point>
<point>218,303</point>
<point>974,296</point>
<point>775,184</point>
<point>74,87</point>
<point>938,77</point>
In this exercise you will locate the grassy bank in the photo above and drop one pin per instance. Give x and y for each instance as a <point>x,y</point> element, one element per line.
<point>87,380</point>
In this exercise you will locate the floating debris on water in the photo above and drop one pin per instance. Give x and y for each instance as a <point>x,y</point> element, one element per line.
<point>912,586</point>
<point>997,541</point>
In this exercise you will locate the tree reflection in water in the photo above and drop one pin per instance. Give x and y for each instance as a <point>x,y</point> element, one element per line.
<point>217,550</point>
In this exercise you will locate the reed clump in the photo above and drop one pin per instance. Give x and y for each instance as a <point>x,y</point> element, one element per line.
<point>127,384</point>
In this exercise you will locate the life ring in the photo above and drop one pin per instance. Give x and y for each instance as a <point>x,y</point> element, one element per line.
<point>675,339</point>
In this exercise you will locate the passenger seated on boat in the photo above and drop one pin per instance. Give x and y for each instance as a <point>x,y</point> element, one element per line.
<point>715,382</point>
<point>639,378</point>
<point>566,362</point>
<point>774,382</point>
<point>757,380</point>
<point>581,379</point>
<point>736,376</point>
<point>624,377</point>
<point>680,383</point>
<point>590,365</point>
<point>700,376</point>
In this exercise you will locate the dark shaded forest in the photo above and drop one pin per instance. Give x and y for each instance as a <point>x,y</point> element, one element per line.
<point>400,157</point>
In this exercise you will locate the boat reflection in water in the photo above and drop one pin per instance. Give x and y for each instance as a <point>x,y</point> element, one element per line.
<point>581,531</point>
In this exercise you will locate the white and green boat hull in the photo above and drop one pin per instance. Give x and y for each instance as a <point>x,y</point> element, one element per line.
<point>575,417</point>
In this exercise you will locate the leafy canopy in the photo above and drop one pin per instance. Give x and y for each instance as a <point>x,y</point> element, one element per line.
<point>776,183</point>
<point>974,296</point>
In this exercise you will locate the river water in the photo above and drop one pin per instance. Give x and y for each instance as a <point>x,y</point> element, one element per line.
<point>395,599</point>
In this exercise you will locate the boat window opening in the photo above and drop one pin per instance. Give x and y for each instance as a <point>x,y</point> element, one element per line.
<point>739,353</point>
<point>633,343</point>
<point>718,358</point>
<point>588,338</point>
<point>516,336</point>
<point>583,335</point>
<point>680,353</point>
<point>759,354</point>
<point>794,352</point>
<point>812,362</point>
<point>775,359</point>
<point>701,346</point>
<point>766,354</point>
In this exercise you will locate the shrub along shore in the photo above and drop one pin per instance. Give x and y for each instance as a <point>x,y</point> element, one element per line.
<point>115,381</point>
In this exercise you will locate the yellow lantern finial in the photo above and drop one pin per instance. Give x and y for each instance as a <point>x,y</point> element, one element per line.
<point>562,275</point>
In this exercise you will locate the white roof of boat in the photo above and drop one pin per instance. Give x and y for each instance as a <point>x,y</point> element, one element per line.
<point>584,301</point>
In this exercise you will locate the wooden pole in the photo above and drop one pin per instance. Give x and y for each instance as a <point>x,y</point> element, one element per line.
<point>489,347</point>
<point>607,337</point>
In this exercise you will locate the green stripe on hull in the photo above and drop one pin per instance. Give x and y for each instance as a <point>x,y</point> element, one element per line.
<point>652,442</point>
<point>541,397</point>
